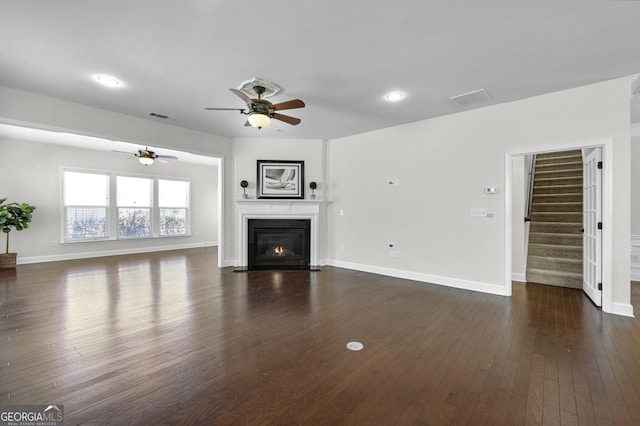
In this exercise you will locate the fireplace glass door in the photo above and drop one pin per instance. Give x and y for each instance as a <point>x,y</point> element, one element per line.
<point>279,244</point>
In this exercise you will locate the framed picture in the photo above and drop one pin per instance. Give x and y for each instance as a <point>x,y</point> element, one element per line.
<point>280,179</point>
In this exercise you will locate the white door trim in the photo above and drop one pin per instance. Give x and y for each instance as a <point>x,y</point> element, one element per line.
<point>607,213</point>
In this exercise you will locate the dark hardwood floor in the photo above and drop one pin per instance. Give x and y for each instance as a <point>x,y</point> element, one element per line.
<point>169,338</point>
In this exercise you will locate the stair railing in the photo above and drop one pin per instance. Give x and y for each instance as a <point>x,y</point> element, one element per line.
<point>531,159</point>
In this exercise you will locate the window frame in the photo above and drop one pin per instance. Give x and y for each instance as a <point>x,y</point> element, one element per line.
<point>65,207</point>
<point>112,208</point>
<point>150,207</point>
<point>159,209</point>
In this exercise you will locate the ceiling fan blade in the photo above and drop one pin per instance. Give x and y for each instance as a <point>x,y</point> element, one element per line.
<point>295,103</point>
<point>167,157</point>
<point>243,96</point>
<point>290,120</point>
<point>225,109</point>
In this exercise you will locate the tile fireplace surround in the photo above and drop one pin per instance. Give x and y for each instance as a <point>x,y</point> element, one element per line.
<point>276,209</point>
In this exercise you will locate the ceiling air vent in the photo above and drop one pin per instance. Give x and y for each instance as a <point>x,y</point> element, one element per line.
<point>470,98</point>
<point>155,114</point>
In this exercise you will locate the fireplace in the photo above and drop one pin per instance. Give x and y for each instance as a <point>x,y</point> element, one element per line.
<point>278,244</point>
<point>269,209</point>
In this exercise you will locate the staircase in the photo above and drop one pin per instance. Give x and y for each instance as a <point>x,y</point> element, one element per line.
<point>555,237</point>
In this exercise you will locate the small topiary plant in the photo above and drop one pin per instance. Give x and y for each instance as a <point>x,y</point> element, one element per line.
<point>244,184</point>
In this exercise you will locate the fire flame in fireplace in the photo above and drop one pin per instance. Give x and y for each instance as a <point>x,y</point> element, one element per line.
<point>279,250</point>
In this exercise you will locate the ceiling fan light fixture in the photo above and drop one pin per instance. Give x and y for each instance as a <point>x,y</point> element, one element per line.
<point>147,161</point>
<point>259,120</point>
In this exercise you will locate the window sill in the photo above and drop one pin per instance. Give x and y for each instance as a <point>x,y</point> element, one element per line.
<point>111,240</point>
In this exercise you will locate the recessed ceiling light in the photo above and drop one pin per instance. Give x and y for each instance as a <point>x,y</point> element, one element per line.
<point>394,96</point>
<point>108,81</point>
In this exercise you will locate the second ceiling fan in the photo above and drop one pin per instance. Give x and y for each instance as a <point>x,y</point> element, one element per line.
<point>261,111</point>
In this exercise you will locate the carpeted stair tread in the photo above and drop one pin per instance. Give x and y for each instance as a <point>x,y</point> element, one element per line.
<point>555,264</point>
<point>557,216</point>
<point>556,239</point>
<point>555,227</point>
<point>554,250</point>
<point>557,278</point>
<point>558,189</point>
<point>571,206</point>
<point>559,197</point>
<point>552,181</point>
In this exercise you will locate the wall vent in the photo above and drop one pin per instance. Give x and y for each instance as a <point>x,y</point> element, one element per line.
<point>155,114</point>
<point>471,98</point>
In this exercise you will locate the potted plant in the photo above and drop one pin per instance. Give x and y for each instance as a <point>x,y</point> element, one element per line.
<point>244,184</point>
<point>313,187</point>
<point>13,216</point>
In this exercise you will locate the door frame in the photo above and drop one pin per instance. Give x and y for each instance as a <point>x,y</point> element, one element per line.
<point>607,212</point>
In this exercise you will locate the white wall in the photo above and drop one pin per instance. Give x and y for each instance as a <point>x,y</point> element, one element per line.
<point>443,164</point>
<point>246,152</point>
<point>36,168</point>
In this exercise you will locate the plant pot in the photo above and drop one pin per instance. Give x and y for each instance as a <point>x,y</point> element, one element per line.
<point>8,260</point>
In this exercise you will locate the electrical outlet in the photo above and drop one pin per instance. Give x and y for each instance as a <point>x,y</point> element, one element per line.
<point>54,243</point>
<point>479,211</point>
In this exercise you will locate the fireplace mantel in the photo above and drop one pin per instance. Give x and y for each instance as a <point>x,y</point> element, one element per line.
<point>276,209</point>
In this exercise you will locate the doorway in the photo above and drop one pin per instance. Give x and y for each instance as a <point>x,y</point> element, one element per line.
<point>515,226</point>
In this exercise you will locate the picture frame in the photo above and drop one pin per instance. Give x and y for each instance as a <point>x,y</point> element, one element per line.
<point>280,179</point>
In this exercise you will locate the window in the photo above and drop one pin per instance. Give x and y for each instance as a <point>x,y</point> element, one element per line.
<point>173,200</point>
<point>103,205</point>
<point>86,205</point>
<point>134,206</point>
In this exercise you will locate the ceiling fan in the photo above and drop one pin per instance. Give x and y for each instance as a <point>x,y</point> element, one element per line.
<point>261,111</point>
<point>147,157</point>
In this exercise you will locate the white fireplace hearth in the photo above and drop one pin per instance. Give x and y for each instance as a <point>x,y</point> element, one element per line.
<point>276,209</point>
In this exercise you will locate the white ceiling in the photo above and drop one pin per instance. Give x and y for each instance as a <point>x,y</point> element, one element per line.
<point>340,57</point>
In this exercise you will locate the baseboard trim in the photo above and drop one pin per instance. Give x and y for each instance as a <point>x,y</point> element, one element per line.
<point>624,309</point>
<point>426,278</point>
<point>104,253</point>
<point>520,278</point>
